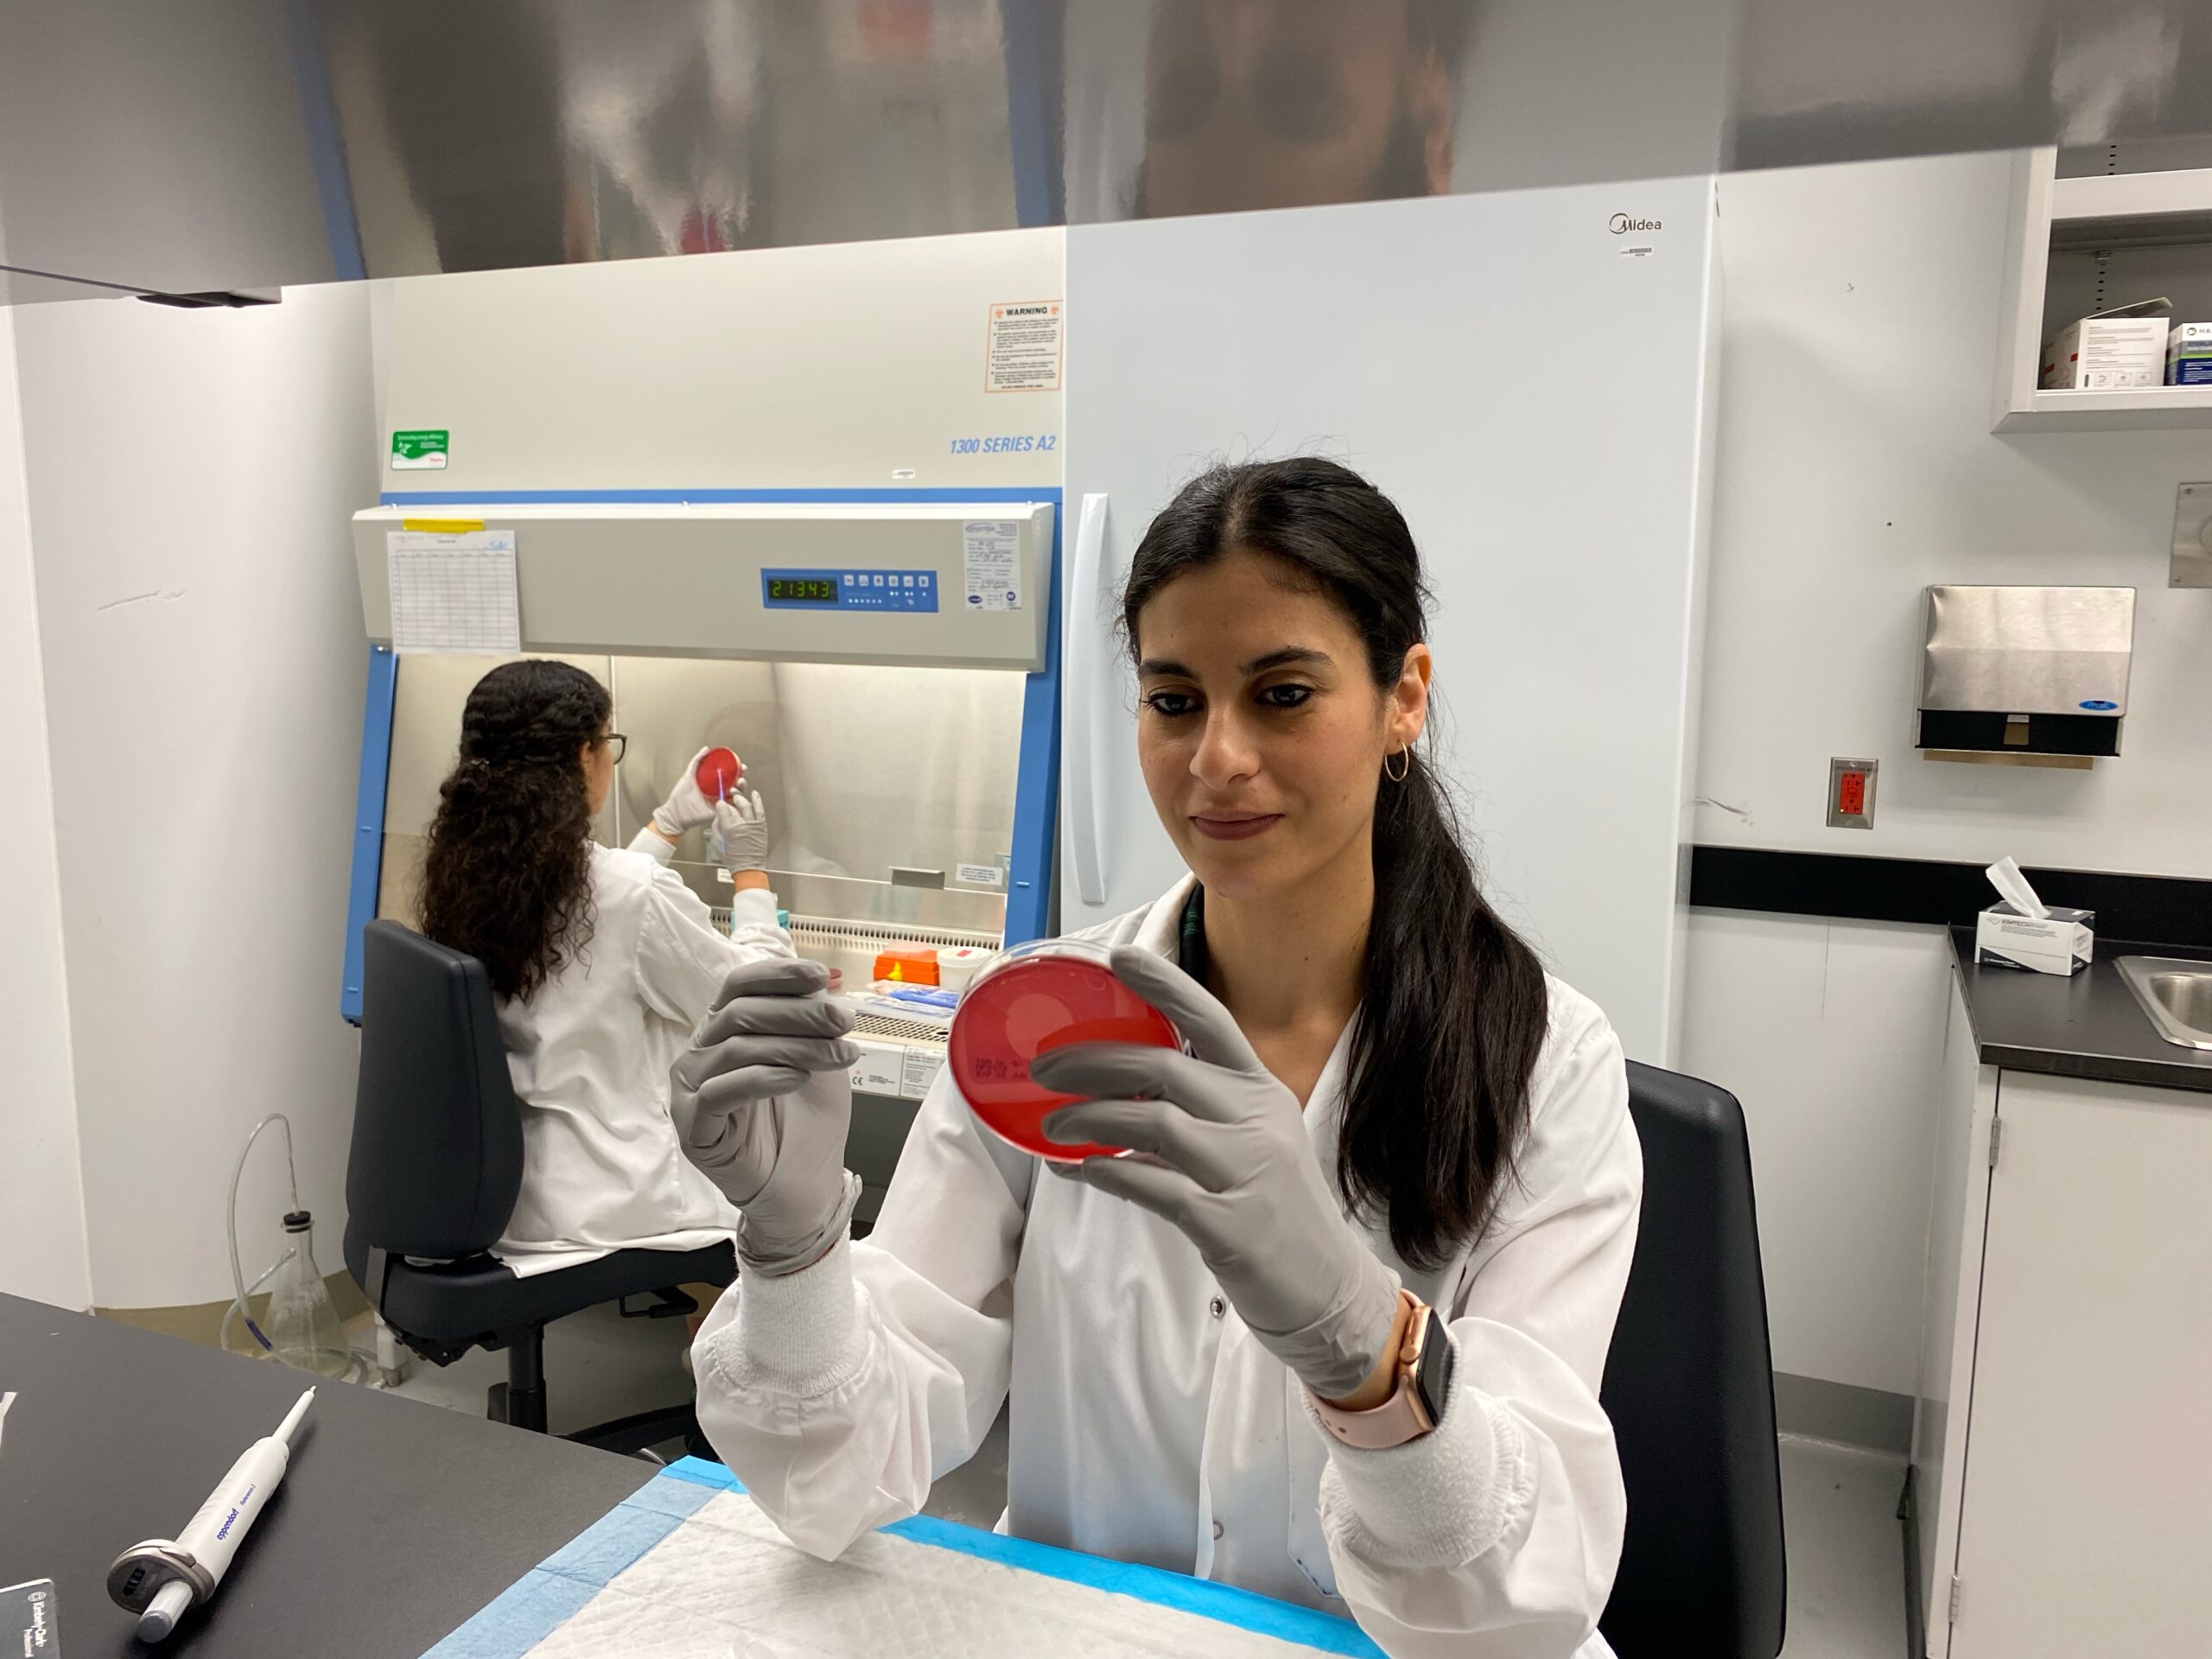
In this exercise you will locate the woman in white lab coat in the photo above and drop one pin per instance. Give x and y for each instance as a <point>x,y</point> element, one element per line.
<point>1395,1133</point>
<point>602,961</point>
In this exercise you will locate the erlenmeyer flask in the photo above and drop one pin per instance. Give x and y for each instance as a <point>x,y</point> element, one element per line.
<point>302,1322</point>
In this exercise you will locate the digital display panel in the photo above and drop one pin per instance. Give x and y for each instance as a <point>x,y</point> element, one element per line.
<point>908,591</point>
<point>810,590</point>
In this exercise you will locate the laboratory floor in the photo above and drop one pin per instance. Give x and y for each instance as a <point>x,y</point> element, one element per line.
<point>1847,1591</point>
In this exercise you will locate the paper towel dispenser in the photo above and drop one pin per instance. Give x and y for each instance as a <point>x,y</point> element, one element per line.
<point>2037,675</point>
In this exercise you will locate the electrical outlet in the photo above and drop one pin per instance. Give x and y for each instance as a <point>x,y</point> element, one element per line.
<point>1851,794</point>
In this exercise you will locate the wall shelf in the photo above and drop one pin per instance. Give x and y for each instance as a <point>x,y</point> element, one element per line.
<point>2110,411</point>
<point>2131,210</point>
<point>2082,244</point>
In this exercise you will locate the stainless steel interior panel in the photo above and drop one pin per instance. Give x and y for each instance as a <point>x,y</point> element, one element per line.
<point>861,769</point>
<point>426,707</point>
<point>904,767</point>
<point>670,708</point>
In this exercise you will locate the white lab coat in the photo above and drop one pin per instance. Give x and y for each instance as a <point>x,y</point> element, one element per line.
<point>602,1168</point>
<point>1149,1425</point>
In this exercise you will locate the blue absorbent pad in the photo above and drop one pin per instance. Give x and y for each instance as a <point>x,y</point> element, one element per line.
<point>688,1568</point>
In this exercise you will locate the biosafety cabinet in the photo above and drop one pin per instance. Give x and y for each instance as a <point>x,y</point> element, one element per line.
<point>741,494</point>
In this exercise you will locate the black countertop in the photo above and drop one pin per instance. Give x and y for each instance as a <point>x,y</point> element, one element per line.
<point>396,1522</point>
<point>2088,1025</point>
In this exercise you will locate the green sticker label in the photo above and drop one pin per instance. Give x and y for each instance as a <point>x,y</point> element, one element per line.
<point>423,451</point>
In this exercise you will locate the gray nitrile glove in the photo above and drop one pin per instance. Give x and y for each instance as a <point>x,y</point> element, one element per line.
<point>1235,1172</point>
<point>741,832</point>
<point>687,807</point>
<point>762,1100</point>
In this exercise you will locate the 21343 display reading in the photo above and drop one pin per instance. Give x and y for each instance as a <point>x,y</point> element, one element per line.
<point>801,589</point>
<point>811,590</point>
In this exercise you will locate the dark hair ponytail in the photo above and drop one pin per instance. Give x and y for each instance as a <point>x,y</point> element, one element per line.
<point>507,874</point>
<point>1453,1007</point>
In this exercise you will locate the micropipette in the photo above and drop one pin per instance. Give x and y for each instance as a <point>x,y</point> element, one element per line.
<point>159,1579</point>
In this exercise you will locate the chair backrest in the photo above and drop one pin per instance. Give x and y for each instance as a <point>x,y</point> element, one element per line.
<point>436,1160</point>
<point>1689,1385</point>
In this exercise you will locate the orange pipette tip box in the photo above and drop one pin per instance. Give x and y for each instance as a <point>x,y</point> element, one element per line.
<point>907,967</point>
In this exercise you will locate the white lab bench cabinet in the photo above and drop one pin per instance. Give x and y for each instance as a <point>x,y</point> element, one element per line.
<point>2063,1436</point>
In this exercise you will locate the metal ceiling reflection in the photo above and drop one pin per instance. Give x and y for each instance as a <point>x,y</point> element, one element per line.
<point>433,136</point>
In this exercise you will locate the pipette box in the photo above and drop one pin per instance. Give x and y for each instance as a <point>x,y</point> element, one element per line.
<point>2061,942</point>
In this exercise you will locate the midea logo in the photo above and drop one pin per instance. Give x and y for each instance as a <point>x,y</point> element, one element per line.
<point>1622,223</point>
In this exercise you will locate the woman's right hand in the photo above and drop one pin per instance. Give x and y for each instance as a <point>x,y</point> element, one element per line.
<point>739,842</point>
<point>687,807</point>
<point>763,1099</point>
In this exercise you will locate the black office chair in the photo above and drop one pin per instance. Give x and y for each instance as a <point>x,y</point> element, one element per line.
<point>435,1166</point>
<point>1689,1385</point>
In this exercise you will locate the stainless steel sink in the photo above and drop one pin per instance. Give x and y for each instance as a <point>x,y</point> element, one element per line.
<point>2176,993</point>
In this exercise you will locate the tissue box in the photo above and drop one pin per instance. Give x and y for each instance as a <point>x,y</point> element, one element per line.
<point>2060,943</point>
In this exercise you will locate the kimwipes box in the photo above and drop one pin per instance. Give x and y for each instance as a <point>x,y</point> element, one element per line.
<point>2059,943</point>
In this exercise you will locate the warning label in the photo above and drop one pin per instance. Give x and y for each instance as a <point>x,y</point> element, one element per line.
<point>1023,353</point>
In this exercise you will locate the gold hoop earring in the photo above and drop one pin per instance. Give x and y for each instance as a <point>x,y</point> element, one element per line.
<point>1399,776</point>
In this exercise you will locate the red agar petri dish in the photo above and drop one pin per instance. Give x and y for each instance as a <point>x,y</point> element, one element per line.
<point>717,775</point>
<point>1038,997</point>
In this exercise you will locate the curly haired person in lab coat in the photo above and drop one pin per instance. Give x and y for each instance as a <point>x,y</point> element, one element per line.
<point>1334,1330</point>
<point>602,961</point>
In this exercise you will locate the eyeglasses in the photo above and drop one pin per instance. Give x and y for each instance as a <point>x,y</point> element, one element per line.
<point>621,745</point>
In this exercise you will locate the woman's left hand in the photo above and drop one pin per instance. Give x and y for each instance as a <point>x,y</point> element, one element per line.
<point>1230,1163</point>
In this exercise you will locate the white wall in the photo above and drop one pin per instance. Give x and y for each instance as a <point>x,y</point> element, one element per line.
<point>191,476</point>
<point>43,1252</point>
<point>1856,466</point>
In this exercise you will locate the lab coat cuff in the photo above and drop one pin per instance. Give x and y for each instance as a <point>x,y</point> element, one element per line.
<point>1436,1502</point>
<point>652,846</point>
<point>754,906</point>
<point>797,1334</point>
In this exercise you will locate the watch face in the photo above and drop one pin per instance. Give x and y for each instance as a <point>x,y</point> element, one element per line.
<point>1433,1376</point>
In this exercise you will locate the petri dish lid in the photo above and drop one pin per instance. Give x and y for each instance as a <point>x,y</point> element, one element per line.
<point>1048,994</point>
<point>717,773</point>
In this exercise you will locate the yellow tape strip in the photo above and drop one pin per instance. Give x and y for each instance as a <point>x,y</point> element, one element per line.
<point>443,526</point>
